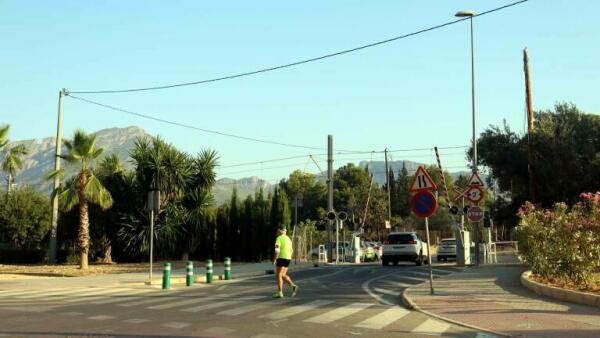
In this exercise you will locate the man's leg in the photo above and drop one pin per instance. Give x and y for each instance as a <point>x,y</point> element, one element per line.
<point>280,278</point>
<point>286,277</point>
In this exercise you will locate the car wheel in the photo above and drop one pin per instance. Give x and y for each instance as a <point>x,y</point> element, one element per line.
<point>419,260</point>
<point>384,262</point>
<point>395,263</point>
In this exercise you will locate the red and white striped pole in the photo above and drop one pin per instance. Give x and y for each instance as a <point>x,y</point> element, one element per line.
<point>437,156</point>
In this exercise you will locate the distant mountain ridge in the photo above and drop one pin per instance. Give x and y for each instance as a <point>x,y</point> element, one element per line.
<point>40,161</point>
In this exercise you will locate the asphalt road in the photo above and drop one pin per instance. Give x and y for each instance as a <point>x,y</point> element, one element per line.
<point>343,301</point>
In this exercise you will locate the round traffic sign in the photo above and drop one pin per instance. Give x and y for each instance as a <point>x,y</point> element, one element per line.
<point>475,214</point>
<point>423,204</point>
<point>475,194</point>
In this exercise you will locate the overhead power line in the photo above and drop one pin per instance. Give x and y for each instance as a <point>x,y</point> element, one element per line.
<point>158,119</point>
<point>297,63</point>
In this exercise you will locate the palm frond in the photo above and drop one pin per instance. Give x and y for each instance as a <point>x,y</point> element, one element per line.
<point>97,193</point>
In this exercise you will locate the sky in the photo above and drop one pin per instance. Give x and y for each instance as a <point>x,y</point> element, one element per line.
<point>413,93</point>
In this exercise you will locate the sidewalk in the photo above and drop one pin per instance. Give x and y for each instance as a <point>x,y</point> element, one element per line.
<point>240,270</point>
<point>491,298</point>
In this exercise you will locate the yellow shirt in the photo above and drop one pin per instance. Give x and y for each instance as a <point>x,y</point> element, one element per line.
<point>284,243</point>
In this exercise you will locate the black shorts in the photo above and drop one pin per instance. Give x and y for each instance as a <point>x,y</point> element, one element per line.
<point>283,262</point>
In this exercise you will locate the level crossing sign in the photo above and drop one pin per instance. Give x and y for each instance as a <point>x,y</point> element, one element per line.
<point>422,181</point>
<point>423,204</point>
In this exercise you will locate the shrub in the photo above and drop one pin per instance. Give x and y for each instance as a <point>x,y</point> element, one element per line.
<point>562,243</point>
<point>21,256</point>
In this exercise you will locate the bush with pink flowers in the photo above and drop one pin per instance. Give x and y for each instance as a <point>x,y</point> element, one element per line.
<point>563,243</point>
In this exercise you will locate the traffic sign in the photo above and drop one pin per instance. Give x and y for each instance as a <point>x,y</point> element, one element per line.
<point>475,180</point>
<point>388,225</point>
<point>423,204</point>
<point>475,194</point>
<point>475,214</point>
<point>422,181</point>
<point>460,194</point>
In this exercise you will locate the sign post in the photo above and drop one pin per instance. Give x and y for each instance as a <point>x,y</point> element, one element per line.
<point>424,204</point>
<point>153,206</point>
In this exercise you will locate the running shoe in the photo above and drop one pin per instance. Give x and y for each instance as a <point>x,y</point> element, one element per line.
<point>294,290</point>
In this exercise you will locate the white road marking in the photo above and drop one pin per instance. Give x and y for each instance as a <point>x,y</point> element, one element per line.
<point>266,335</point>
<point>36,294</point>
<point>294,310</point>
<point>176,325</point>
<point>244,309</point>
<point>431,327</point>
<point>338,313</point>
<point>212,306</point>
<point>80,296</point>
<point>365,287</point>
<point>155,299</point>
<point>387,292</point>
<point>178,303</point>
<point>383,319</point>
<point>426,274</point>
<point>136,321</point>
<point>73,313</point>
<point>116,298</point>
<point>101,317</point>
<point>22,292</point>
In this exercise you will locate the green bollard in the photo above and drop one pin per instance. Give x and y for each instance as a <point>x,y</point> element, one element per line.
<point>166,276</point>
<point>227,268</point>
<point>209,270</point>
<point>189,274</point>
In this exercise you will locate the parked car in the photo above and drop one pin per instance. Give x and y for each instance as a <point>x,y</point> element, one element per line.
<point>404,246</point>
<point>377,248</point>
<point>446,249</point>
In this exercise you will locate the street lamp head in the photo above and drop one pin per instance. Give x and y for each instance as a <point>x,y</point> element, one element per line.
<point>465,14</point>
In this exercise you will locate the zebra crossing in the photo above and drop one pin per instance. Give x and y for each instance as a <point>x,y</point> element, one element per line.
<point>357,314</point>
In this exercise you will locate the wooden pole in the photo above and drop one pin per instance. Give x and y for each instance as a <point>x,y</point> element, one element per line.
<point>530,157</point>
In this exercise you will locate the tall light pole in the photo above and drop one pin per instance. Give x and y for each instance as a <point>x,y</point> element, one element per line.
<point>470,14</point>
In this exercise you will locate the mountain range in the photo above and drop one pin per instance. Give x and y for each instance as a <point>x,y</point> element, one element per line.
<point>40,160</point>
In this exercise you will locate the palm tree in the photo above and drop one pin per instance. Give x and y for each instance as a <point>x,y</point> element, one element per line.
<point>84,187</point>
<point>13,163</point>
<point>4,136</point>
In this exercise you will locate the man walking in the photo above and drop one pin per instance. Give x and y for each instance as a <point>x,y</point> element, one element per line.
<point>282,259</point>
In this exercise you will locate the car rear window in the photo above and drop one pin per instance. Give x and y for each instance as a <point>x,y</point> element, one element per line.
<point>400,238</point>
<point>449,242</point>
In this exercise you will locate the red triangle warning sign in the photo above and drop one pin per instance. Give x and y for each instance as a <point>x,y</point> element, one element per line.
<point>475,180</point>
<point>422,181</point>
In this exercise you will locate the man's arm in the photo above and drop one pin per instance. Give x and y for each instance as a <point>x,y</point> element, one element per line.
<point>276,255</point>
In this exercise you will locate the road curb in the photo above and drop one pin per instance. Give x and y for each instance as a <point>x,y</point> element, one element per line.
<point>410,303</point>
<point>559,293</point>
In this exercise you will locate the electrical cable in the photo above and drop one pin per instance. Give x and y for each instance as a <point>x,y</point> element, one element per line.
<point>297,63</point>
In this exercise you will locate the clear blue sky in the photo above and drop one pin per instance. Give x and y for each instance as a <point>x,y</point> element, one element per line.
<point>413,93</point>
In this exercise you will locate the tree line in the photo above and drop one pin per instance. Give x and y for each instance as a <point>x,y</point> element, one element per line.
<point>103,211</point>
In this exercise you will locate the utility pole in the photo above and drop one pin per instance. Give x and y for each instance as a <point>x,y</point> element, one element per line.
<point>330,194</point>
<point>387,179</point>
<point>54,228</point>
<point>530,159</point>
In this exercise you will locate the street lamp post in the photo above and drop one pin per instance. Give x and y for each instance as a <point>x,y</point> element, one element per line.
<point>470,15</point>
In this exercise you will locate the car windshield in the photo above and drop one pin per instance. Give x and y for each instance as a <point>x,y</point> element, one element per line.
<point>400,238</point>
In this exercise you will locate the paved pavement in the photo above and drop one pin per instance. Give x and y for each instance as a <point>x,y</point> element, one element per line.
<point>492,298</point>
<point>332,302</point>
